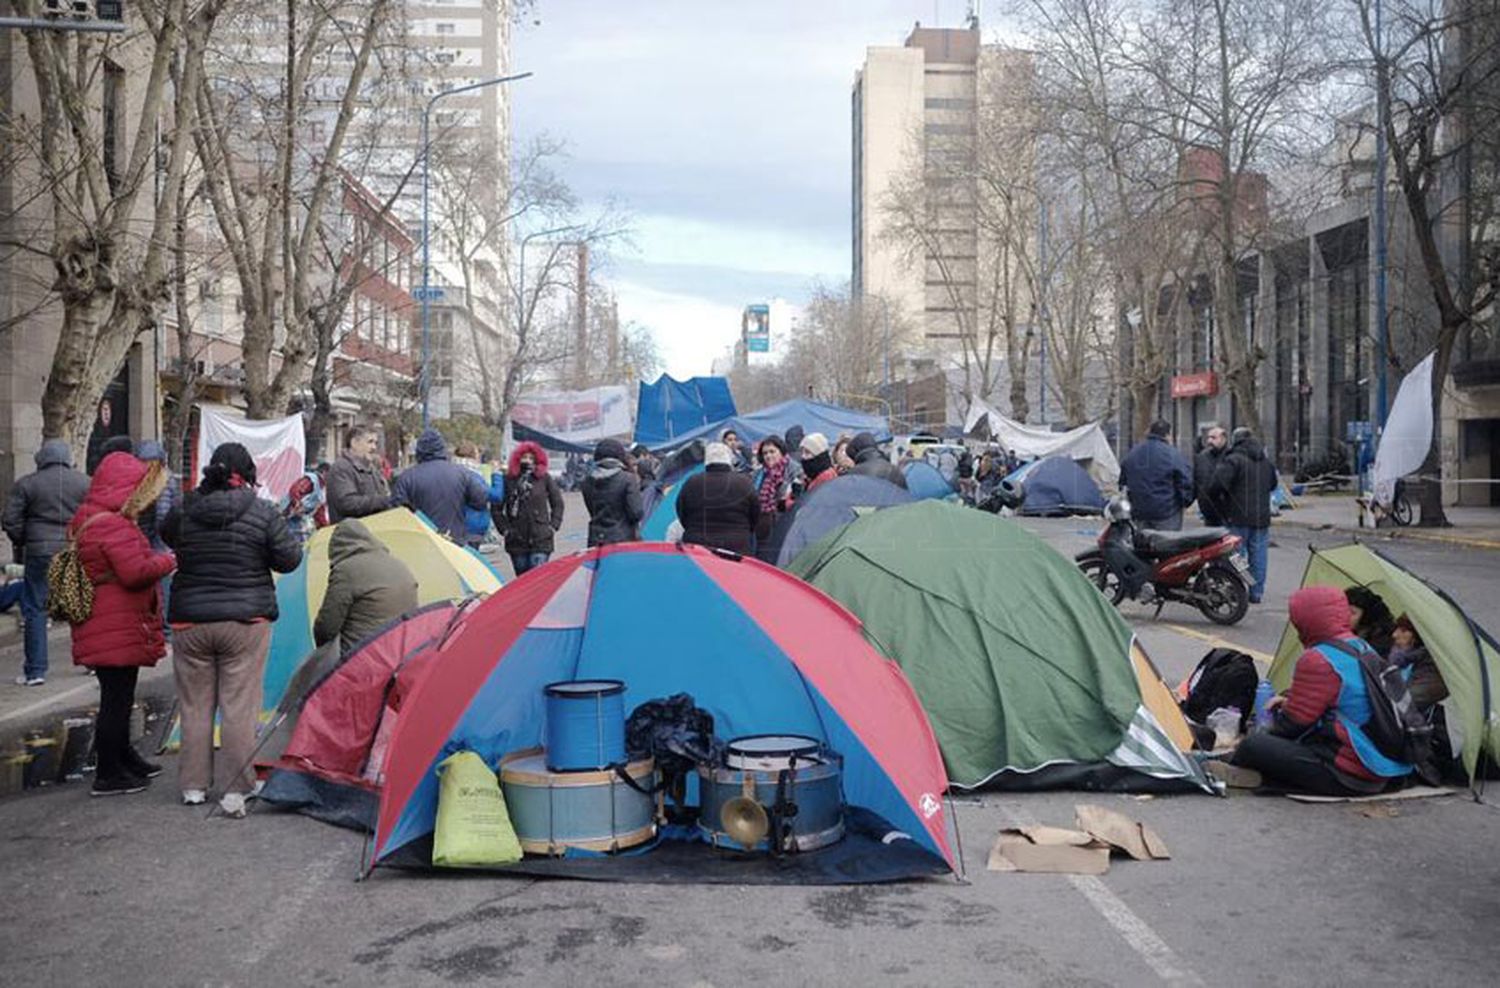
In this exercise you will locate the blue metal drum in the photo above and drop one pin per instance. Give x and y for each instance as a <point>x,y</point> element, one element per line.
<point>585,724</point>
<point>777,771</point>
<point>594,811</point>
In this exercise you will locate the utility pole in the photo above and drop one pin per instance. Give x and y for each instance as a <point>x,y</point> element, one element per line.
<point>581,327</point>
<point>1042,306</point>
<point>1382,317</point>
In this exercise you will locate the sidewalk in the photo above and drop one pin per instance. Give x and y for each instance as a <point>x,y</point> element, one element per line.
<point>1475,528</point>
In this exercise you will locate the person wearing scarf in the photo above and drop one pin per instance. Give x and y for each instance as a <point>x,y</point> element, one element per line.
<point>771,484</point>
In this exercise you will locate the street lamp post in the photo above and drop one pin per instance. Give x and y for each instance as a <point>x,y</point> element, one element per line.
<point>426,240</point>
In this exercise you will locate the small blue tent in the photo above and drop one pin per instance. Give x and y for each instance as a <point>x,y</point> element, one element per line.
<point>1057,486</point>
<point>812,416</point>
<point>658,524</point>
<point>669,408</point>
<point>924,481</point>
<point>832,505</point>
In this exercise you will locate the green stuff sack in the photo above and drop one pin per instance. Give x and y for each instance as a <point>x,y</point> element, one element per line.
<point>473,828</point>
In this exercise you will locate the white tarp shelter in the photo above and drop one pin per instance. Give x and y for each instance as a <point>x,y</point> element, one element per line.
<point>1086,444</point>
<point>1408,432</point>
<point>278,446</point>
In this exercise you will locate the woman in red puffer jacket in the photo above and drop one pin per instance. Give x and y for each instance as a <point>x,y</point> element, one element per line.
<point>124,629</point>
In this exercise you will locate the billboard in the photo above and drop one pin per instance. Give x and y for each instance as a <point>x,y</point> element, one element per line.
<point>577,416</point>
<point>755,326</point>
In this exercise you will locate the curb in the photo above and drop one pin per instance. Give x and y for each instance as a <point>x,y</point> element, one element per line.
<point>1418,535</point>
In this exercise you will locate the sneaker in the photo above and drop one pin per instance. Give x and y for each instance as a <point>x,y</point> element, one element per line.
<point>194,797</point>
<point>233,805</point>
<point>24,680</point>
<point>120,786</point>
<point>1233,776</point>
<point>141,767</point>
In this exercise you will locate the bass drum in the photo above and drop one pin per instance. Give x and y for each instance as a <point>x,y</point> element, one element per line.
<point>592,811</point>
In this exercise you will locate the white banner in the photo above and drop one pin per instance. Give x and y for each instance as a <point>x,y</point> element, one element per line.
<point>278,446</point>
<point>577,416</point>
<point>1408,432</point>
<point>1086,443</point>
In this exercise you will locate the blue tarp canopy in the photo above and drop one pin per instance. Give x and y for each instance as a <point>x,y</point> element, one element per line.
<point>813,416</point>
<point>669,408</point>
<point>1057,486</point>
<point>523,434</point>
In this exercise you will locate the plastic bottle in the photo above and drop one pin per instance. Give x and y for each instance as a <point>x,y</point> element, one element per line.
<point>1263,694</point>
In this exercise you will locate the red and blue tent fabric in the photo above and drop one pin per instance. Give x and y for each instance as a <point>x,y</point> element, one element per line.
<point>760,650</point>
<point>668,408</point>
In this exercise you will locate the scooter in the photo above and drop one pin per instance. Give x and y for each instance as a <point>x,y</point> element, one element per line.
<point>1202,567</point>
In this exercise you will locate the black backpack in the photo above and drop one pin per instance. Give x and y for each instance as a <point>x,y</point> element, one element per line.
<point>1225,678</point>
<point>1396,727</point>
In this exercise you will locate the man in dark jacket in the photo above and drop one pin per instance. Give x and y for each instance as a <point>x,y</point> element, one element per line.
<point>1242,483</point>
<point>612,493</point>
<point>356,487</point>
<point>439,489</point>
<point>1159,480</point>
<point>719,507</point>
<point>532,511</point>
<point>368,587</point>
<point>36,515</point>
<point>1205,466</point>
<point>869,461</point>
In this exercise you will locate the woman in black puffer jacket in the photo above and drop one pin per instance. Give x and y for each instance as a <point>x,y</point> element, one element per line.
<point>228,541</point>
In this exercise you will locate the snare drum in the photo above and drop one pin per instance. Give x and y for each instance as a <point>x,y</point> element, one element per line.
<point>593,811</point>
<point>754,765</point>
<point>585,724</point>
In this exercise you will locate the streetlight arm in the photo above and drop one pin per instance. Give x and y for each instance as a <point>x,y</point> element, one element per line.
<point>482,84</point>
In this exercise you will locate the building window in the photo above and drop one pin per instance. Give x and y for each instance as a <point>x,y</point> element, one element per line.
<point>444,28</point>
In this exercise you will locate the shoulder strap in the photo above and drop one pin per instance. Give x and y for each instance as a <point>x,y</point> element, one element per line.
<point>1349,649</point>
<point>75,533</point>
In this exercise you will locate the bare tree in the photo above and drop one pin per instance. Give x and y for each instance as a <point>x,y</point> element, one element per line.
<point>107,240</point>
<point>1436,75</point>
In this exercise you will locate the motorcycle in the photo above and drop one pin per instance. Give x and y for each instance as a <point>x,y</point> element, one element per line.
<point>1202,567</point>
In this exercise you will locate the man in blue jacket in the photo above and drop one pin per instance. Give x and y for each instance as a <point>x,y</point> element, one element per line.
<point>1158,479</point>
<point>440,489</point>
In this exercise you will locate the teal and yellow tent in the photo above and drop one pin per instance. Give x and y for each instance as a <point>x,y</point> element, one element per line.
<point>1465,653</point>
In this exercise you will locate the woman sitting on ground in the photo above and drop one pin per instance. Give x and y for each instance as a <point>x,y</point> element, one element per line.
<point>1423,680</point>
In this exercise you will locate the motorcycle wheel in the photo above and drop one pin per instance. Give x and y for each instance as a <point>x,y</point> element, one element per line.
<point>1100,576</point>
<point>1226,598</point>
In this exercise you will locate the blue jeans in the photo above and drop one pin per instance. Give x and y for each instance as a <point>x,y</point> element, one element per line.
<point>34,610</point>
<point>1254,543</point>
<point>523,561</point>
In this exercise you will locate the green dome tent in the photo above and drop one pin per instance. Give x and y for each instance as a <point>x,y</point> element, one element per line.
<point>1465,653</point>
<point>1029,677</point>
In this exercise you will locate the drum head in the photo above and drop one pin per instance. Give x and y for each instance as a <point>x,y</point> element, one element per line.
<point>579,688</point>
<point>768,752</point>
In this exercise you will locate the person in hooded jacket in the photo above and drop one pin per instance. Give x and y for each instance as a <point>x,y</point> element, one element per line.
<point>612,494</point>
<point>124,628</point>
<point>719,507</point>
<point>36,515</point>
<point>871,462</point>
<point>1316,741</point>
<point>1242,483</point>
<point>368,588</point>
<point>441,490</point>
<point>228,542</point>
<point>532,511</point>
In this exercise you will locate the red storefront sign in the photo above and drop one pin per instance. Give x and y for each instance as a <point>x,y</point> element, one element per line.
<point>1204,384</point>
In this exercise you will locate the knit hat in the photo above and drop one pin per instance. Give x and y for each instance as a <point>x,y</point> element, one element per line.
<point>814,443</point>
<point>718,454</point>
<point>861,442</point>
<point>610,449</point>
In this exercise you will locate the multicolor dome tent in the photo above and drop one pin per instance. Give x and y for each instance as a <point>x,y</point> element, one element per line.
<point>763,652</point>
<point>1466,654</point>
<point>1030,677</point>
<point>444,571</point>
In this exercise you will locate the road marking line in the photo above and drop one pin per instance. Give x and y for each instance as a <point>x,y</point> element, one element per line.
<point>45,702</point>
<point>1136,932</point>
<point>1214,640</point>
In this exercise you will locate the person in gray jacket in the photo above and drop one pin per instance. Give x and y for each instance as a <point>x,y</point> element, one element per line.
<point>36,518</point>
<point>356,487</point>
<point>368,588</point>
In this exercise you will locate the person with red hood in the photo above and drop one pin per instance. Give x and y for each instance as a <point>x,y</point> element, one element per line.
<point>532,511</point>
<point>1316,740</point>
<point>124,628</point>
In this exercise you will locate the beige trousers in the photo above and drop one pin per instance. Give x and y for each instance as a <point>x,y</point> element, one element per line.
<point>219,666</point>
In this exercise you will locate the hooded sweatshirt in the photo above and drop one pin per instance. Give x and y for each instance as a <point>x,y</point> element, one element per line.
<point>41,503</point>
<point>368,588</point>
<point>441,490</point>
<point>1242,484</point>
<point>613,496</point>
<point>124,627</point>
<point>1317,694</point>
<point>228,542</point>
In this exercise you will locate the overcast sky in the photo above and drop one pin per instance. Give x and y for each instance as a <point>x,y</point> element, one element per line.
<point>724,128</point>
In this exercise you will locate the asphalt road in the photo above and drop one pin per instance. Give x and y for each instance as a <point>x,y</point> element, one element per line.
<point>141,891</point>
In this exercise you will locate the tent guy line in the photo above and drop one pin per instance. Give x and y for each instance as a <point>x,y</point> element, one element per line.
<point>1136,932</point>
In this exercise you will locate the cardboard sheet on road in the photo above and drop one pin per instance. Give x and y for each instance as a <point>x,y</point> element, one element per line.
<point>1084,850</point>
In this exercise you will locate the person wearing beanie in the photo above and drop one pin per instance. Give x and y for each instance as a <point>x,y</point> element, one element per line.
<point>718,507</point>
<point>612,494</point>
<point>1370,618</point>
<point>440,489</point>
<point>36,517</point>
<point>817,461</point>
<point>865,454</point>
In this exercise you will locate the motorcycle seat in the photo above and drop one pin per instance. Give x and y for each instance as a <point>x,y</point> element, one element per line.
<point>1173,543</point>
